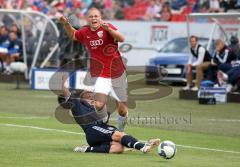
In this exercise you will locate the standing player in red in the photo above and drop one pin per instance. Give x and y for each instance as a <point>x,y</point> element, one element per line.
<point>106,65</point>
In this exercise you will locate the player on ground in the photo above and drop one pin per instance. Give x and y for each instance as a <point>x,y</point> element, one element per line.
<point>106,66</point>
<point>101,137</point>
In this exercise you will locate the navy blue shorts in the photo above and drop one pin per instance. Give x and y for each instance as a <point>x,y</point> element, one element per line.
<point>98,134</point>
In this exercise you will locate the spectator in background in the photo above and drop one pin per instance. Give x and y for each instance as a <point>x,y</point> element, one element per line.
<point>13,4</point>
<point>118,13</point>
<point>231,78</point>
<point>54,13</point>
<point>3,46</point>
<point>178,4</point>
<point>238,4</point>
<point>36,4</point>
<point>87,2</point>
<point>204,6</point>
<point>222,59</point>
<point>217,6</point>
<point>15,29</point>
<point>1,3</point>
<point>99,4</point>
<point>4,37</point>
<point>224,5</point>
<point>232,4</point>
<point>203,59</point>
<point>166,13</point>
<point>214,6</point>
<point>234,46</point>
<point>14,51</point>
<point>152,12</point>
<point>127,3</point>
<point>44,8</point>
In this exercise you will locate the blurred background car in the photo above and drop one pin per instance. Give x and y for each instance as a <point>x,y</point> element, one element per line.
<point>169,63</point>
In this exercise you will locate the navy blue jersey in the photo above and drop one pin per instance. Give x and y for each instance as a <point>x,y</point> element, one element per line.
<point>226,55</point>
<point>85,114</point>
<point>91,122</point>
<point>15,47</point>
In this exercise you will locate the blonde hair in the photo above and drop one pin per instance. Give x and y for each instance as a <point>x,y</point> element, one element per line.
<point>93,8</point>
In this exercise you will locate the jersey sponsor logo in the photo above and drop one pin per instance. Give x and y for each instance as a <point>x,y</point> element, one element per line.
<point>95,43</point>
<point>110,128</point>
<point>100,34</point>
<point>100,129</point>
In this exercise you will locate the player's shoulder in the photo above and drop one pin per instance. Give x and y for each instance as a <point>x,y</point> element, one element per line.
<point>84,28</point>
<point>112,26</point>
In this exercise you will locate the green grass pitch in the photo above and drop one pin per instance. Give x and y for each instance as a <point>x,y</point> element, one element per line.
<point>31,136</point>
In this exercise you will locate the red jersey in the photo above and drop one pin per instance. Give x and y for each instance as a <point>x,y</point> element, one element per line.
<point>105,58</point>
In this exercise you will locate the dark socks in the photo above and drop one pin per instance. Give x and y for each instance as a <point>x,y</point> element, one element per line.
<point>131,142</point>
<point>99,149</point>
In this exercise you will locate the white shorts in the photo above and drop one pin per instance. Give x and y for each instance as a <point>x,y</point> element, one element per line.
<point>117,87</point>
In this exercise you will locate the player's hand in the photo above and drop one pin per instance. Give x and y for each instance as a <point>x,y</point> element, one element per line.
<point>213,63</point>
<point>64,77</point>
<point>63,20</point>
<point>105,25</point>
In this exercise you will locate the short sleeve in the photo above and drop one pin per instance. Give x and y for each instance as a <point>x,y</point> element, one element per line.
<point>79,35</point>
<point>112,26</point>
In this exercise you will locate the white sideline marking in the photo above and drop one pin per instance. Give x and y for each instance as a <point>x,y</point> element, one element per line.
<point>40,128</point>
<point>208,149</point>
<point>46,96</point>
<point>225,120</point>
<point>25,117</point>
<point>78,133</point>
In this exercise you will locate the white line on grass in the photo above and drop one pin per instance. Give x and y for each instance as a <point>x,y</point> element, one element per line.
<point>77,133</point>
<point>40,128</point>
<point>208,149</point>
<point>225,120</point>
<point>25,117</point>
<point>46,96</point>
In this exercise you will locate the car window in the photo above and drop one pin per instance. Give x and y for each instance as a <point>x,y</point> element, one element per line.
<point>175,46</point>
<point>180,45</point>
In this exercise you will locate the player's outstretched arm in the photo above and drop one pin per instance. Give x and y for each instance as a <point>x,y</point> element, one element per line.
<point>65,90</point>
<point>114,33</point>
<point>67,26</point>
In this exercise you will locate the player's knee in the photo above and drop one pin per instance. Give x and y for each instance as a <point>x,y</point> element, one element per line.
<point>117,136</point>
<point>116,148</point>
<point>122,110</point>
<point>122,113</point>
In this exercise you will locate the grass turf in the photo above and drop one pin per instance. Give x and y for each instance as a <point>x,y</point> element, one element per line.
<point>214,127</point>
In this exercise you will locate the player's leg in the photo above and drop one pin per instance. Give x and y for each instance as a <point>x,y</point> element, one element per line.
<point>99,137</point>
<point>188,77</point>
<point>200,72</point>
<point>113,147</point>
<point>3,57</point>
<point>131,142</point>
<point>8,62</point>
<point>122,109</point>
<point>97,134</point>
<point>103,148</point>
<point>116,147</point>
<point>120,94</point>
<point>102,88</point>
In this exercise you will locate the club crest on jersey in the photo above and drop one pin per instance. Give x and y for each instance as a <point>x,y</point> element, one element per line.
<point>100,34</point>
